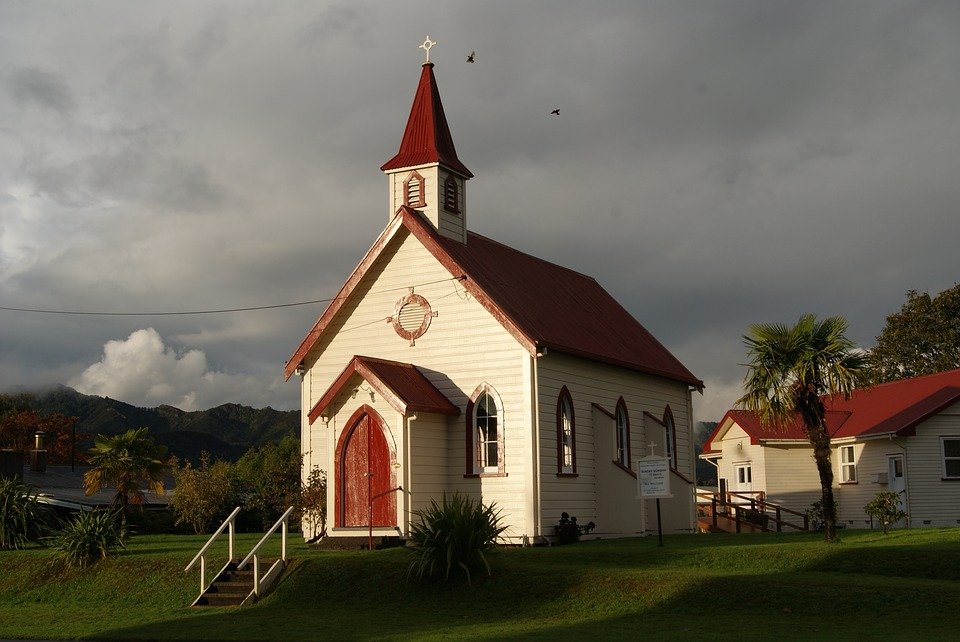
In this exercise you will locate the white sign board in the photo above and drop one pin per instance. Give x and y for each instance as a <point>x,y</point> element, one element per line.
<point>653,477</point>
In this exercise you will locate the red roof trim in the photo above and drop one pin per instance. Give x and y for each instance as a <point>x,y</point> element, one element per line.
<point>426,138</point>
<point>400,384</point>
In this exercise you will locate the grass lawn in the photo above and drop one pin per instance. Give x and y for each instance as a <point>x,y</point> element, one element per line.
<point>905,585</point>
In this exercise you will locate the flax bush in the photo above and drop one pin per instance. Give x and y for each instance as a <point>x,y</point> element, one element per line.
<point>22,518</point>
<point>90,537</point>
<point>453,535</point>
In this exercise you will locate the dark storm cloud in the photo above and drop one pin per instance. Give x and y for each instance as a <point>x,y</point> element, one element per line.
<point>32,86</point>
<point>714,164</point>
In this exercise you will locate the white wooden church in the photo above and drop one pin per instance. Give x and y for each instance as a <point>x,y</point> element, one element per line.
<point>452,362</point>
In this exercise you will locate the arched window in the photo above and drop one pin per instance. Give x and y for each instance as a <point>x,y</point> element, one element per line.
<point>670,438</point>
<point>566,435</point>
<point>484,434</point>
<point>623,434</point>
<point>451,195</point>
<point>413,191</point>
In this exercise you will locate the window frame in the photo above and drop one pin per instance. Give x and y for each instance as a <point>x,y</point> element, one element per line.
<point>670,437</point>
<point>848,468</point>
<point>622,435</point>
<point>566,435</point>
<point>949,458</point>
<point>474,468</point>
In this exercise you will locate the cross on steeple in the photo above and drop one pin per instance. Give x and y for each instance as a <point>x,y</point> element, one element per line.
<point>426,46</point>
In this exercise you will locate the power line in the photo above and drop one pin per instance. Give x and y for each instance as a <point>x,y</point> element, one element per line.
<point>198,312</point>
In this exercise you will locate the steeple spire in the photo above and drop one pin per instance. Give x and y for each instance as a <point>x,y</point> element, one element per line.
<point>427,136</point>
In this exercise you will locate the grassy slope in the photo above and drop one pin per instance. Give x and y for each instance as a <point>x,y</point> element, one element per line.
<point>788,586</point>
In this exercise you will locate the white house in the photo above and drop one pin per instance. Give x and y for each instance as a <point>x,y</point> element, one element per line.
<point>451,362</point>
<point>902,436</point>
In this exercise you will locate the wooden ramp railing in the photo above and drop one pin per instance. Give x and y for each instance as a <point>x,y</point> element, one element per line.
<point>747,512</point>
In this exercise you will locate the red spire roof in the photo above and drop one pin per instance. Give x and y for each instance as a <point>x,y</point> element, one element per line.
<point>427,137</point>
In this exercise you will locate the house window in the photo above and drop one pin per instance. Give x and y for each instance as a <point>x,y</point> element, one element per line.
<point>951,457</point>
<point>413,192</point>
<point>744,477</point>
<point>451,195</point>
<point>670,438</point>
<point>484,434</point>
<point>848,469</point>
<point>623,434</point>
<point>566,435</point>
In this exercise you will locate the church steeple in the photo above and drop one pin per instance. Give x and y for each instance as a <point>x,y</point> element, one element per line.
<point>426,174</point>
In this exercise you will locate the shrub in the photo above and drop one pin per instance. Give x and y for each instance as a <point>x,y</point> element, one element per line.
<point>22,518</point>
<point>885,508</point>
<point>569,531</point>
<point>204,495</point>
<point>313,500</point>
<point>453,535</point>
<point>816,514</point>
<point>89,537</point>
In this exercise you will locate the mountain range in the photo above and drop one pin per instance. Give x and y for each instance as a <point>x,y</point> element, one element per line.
<point>226,431</point>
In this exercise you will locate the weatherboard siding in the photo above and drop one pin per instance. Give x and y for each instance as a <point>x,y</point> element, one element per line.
<point>463,348</point>
<point>931,498</point>
<point>588,383</point>
<point>790,477</point>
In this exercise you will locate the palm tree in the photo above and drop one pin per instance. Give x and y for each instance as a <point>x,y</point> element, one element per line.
<point>123,461</point>
<point>790,372</point>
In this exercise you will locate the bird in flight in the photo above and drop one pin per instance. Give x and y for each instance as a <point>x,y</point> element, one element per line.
<point>555,112</point>
<point>470,57</point>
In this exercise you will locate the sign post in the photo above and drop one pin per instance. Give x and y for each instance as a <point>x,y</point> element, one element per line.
<point>653,481</point>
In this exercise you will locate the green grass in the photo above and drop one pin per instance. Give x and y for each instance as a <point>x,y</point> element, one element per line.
<point>905,585</point>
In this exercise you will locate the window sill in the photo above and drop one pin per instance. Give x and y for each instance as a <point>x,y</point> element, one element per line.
<point>568,475</point>
<point>624,468</point>
<point>849,483</point>
<point>953,479</point>
<point>483,475</point>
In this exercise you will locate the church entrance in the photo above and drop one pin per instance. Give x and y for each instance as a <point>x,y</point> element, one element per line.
<point>364,474</point>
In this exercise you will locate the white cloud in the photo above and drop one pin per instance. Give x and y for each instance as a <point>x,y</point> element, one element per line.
<point>142,370</point>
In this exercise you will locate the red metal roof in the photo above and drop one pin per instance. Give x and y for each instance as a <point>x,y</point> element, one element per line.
<point>427,137</point>
<point>540,303</point>
<point>401,384</point>
<point>894,408</point>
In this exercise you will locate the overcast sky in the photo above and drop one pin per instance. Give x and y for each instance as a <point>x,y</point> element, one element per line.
<point>715,164</point>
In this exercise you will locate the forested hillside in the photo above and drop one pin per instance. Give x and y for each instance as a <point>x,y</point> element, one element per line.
<point>226,431</point>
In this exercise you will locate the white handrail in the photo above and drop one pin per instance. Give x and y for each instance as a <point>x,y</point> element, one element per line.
<point>276,566</point>
<point>273,529</point>
<point>228,522</point>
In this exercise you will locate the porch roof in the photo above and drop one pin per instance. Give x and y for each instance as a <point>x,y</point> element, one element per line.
<point>402,385</point>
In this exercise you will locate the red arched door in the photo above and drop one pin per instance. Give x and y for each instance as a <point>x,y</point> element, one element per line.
<point>364,472</point>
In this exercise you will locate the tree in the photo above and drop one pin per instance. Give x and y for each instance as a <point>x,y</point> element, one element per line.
<point>268,480</point>
<point>19,425</point>
<point>204,494</point>
<point>790,372</point>
<point>123,461</point>
<point>923,338</point>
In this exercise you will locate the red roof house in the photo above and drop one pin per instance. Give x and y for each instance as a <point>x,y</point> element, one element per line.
<point>902,436</point>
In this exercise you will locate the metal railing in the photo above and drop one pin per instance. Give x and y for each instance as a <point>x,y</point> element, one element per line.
<point>261,585</point>
<point>229,523</point>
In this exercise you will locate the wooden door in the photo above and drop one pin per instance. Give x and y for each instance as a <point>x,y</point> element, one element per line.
<point>364,474</point>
